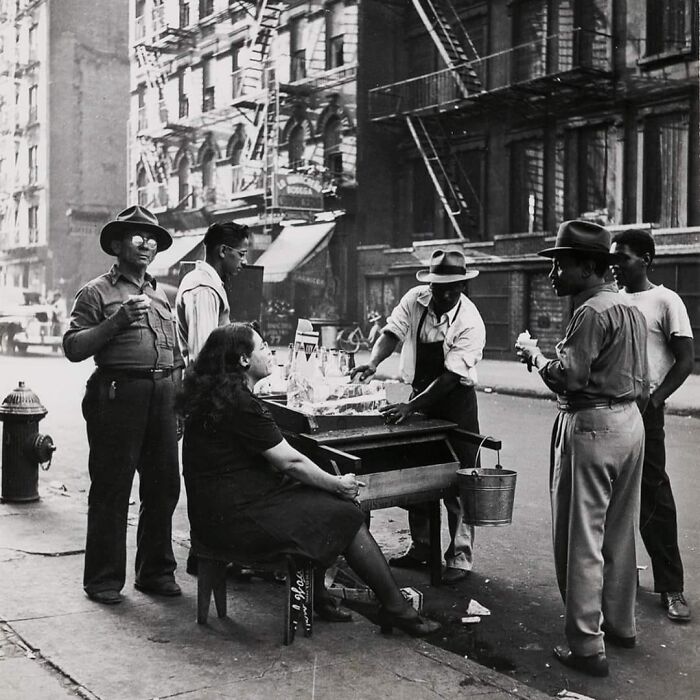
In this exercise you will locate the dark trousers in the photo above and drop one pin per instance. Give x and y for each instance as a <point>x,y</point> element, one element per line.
<point>131,426</point>
<point>657,520</point>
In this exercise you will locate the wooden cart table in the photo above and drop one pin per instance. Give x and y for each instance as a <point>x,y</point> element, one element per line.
<point>414,462</point>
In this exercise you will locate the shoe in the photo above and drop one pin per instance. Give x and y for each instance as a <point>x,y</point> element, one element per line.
<point>454,575</point>
<point>327,609</point>
<point>596,665</point>
<point>617,640</point>
<point>169,589</point>
<point>408,561</point>
<point>677,609</point>
<point>105,597</point>
<point>409,621</point>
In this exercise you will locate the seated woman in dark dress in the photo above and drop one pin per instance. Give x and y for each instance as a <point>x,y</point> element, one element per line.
<point>249,491</point>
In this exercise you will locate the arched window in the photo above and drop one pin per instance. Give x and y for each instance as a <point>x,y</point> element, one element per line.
<point>332,148</point>
<point>142,187</point>
<point>183,181</point>
<point>209,176</point>
<point>235,154</point>
<point>296,147</point>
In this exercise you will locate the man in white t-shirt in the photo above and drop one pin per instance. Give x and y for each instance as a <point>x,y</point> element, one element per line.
<point>670,354</point>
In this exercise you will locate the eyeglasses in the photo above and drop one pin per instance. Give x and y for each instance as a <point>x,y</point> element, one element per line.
<point>138,240</point>
<point>241,253</point>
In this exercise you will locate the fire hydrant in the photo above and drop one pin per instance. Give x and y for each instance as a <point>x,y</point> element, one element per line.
<point>24,448</point>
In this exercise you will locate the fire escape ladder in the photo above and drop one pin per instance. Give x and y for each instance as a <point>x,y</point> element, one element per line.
<point>450,195</point>
<point>433,14</point>
<point>258,44</point>
<point>271,144</point>
<point>155,169</point>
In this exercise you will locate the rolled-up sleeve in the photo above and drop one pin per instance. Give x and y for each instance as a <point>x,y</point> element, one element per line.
<point>399,322</point>
<point>86,313</point>
<point>465,350</point>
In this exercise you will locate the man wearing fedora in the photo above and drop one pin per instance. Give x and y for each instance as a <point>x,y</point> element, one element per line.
<point>443,339</point>
<point>600,376</point>
<point>124,320</point>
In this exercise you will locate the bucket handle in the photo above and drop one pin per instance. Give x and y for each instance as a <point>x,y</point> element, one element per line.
<point>478,452</point>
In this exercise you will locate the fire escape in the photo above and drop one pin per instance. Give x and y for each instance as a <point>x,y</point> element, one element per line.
<point>165,37</point>
<point>529,78</point>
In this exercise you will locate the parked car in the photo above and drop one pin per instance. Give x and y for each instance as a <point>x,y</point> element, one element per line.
<point>26,321</point>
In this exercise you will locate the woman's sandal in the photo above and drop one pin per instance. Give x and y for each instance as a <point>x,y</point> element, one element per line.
<point>413,623</point>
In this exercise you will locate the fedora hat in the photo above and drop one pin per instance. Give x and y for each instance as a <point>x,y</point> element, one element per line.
<point>583,237</point>
<point>446,266</point>
<point>134,219</point>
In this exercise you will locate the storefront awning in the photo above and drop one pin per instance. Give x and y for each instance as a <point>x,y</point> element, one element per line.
<point>167,259</point>
<point>294,246</point>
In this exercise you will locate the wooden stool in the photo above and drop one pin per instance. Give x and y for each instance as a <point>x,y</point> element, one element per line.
<point>299,585</point>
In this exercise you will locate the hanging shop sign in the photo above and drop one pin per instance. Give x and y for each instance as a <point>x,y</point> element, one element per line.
<point>300,192</point>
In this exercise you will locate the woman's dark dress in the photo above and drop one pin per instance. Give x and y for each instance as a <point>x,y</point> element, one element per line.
<point>237,500</point>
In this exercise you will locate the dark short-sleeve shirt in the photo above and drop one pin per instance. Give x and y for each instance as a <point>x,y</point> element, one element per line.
<point>231,460</point>
<point>145,344</point>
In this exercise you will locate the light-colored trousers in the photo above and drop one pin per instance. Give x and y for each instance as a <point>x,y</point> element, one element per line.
<point>597,457</point>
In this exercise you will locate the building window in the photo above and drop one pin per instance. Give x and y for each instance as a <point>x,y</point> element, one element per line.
<point>184,13</point>
<point>33,111</point>
<point>207,85</point>
<point>335,52</point>
<point>33,164</point>
<point>588,177</point>
<point>183,183</point>
<point>142,187</point>
<point>235,154</point>
<point>526,185</point>
<point>182,100</point>
<point>31,42</point>
<point>209,177</point>
<point>422,202</point>
<point>141,102</point>
<point>296,147</point>
<point>665,170</point>
<point>529,57</point>
<point>140,19</point>
<point>332,148</point>
<point>236,71</point>
<point>668,26</point>
<point>297,50</point>
<point>470,179</point>
<point>206,7</point>
<point>335,30</point>
<point>33,221</point>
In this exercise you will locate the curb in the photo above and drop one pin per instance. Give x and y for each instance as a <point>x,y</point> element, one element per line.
<point>671,409</point>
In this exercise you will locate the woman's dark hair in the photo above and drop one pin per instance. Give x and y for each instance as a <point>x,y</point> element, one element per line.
<point>208,387</point>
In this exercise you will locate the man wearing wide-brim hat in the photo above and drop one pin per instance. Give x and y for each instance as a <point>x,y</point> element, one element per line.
<point>599,375</point>
<point>123,319</point>
<point>443,339</point>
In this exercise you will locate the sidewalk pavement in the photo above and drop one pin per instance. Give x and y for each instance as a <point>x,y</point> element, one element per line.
<point>56,644</point>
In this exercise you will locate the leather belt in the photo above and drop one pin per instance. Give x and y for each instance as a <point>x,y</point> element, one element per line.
<point>571,406</point>
<point>116,374</point>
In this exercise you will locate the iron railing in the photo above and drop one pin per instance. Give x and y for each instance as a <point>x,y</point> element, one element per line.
<point>575,50</point>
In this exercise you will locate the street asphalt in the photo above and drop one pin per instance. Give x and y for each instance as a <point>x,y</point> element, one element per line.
<point>55,643</point>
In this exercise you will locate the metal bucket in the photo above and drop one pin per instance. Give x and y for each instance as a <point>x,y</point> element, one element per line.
<point>487,495</point>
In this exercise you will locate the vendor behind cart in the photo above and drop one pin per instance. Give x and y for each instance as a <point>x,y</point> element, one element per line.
<point>443,338</point>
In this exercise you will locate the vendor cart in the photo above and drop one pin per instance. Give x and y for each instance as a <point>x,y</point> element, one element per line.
<point>413,462</point>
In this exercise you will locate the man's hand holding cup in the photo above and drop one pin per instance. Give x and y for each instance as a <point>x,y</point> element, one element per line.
<point>527,350</point>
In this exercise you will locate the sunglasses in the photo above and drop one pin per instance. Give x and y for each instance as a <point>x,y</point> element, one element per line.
<point>138,240</point>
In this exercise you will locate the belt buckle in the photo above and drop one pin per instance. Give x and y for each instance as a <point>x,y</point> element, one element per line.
<point>158,373</point>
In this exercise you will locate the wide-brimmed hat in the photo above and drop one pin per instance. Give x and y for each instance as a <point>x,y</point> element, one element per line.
<point>446,266</point>
<point>134,219</point>
<point>582,237</point>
